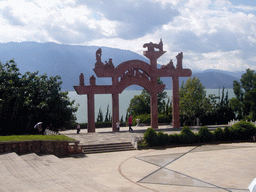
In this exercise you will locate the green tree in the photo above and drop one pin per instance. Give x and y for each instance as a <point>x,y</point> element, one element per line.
<point>140,104</point>
<point>193,101</point>
<point>245,102</point>
<point>224,112</point>
<point>100,116</point>
<point>29,98</point>
<point>108,115</point>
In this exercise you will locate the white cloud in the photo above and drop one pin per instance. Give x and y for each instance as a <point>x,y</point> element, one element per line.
<point>211,33</point>
<point>228,61</point>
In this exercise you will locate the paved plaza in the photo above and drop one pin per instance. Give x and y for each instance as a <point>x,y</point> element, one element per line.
<point>213,168</point>
<point>207,168</point>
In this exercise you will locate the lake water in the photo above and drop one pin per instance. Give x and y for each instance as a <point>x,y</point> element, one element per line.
<point>102,101</point>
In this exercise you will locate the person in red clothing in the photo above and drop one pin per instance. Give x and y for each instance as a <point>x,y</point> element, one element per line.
<point>130,123</point>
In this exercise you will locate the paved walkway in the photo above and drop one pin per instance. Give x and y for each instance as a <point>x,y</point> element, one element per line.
<point>213,168</point>
<point>105,135</point>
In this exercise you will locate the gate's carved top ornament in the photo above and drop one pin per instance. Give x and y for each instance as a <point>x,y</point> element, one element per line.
<point>151,46</point>
<point>100,64</point>
<point>81,79</point>
<point>179,60</point>
<point>135,73</point>
<point>109,64</point>
<point>170,64</point>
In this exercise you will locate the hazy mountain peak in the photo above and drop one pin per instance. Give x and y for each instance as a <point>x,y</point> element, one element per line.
<point>69,61</point>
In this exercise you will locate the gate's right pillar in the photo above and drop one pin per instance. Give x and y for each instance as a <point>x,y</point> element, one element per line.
<point>175,102</point>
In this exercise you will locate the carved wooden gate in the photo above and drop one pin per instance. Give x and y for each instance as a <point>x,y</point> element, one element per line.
<point>134,72</point>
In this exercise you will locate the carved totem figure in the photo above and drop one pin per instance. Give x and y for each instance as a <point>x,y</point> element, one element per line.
<point>81,79</point>
<point>179,60</point>
<point>151,46</point>
<point>98,63</point>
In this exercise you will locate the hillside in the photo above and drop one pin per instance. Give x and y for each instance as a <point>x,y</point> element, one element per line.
<point>69,61</point>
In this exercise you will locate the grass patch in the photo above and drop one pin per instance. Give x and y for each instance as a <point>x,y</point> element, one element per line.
<point>34,137</point>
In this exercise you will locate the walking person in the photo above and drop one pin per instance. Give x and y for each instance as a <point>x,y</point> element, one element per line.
<point>117,125</point>
<point>130,123</point>
<point>77,128</point>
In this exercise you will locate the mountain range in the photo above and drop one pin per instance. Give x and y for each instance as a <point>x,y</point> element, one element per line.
<point>68,61</point>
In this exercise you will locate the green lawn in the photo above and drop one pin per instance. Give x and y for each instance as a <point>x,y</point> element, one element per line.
<point>34,137</point>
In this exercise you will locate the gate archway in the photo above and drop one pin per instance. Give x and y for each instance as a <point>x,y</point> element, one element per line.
<point>134,72</point>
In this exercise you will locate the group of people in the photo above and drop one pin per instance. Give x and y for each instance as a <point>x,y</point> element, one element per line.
<point>129,124</point>
<point>40,130</point>
<point>78,128</point>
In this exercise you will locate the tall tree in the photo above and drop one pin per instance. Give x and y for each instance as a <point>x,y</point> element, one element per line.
<point>223,110</point>
<point>100,116</point>
<point>193,101</point>
<point>107,116</point>
<point>245,102</point>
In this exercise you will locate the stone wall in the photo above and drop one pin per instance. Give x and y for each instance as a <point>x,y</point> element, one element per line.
<point>58,148</point>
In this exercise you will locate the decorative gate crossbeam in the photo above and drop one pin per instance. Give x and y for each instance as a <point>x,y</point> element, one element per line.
<point>134,72</point>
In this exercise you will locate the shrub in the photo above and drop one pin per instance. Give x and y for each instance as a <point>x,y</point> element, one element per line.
<point>218,134</point>
<point>226,135</point>
<point>163,118</point>
<point>205,135</point>
<point>174,138</point>
<point>187,136</point>
<point>144,118</point>
<point>243,130</point>
<point>197,139</point>
<point>150,137</point>
<point>103,124</point>
<point>162,139</point>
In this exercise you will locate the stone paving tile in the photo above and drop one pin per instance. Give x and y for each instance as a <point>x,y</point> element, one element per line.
<point>63,175</point>
<point>199,170</point>
<point>11,184</point>
<point>18,175</point>
<point>49,176</point>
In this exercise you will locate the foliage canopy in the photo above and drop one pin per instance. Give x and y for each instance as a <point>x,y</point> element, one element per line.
<point>30,98</point>
<point>245,102</point>
<point>140,104</point>
<point>193,101</point>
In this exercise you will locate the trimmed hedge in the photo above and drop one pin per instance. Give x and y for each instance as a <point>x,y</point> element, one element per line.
<point>205,135</point>
<point>150,137</point>
<point>218,134</point>
<point>241,131</point>
<point>187,136</point>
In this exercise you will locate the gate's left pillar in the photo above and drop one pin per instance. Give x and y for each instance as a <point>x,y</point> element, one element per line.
<point>91,113</point>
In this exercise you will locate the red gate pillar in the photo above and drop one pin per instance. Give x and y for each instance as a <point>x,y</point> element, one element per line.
<point>153,56</point>
<point>115,110</point>
<point>91,113</point>
<point>154,110</point>
<point>175,102</point>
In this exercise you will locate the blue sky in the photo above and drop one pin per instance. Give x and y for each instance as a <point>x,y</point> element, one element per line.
<point>212,34</point>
